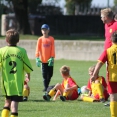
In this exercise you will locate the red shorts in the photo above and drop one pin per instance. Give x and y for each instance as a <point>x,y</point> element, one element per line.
<point>74,96</point>
<point>112,87</point>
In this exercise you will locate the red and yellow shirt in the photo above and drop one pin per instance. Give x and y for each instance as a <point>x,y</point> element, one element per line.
<point>109,29</point>
<point>110,55</point>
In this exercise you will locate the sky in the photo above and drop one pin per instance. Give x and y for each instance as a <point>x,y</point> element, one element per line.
<point>94,2</point>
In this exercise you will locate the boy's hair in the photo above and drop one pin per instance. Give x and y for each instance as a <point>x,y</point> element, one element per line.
<point>107,12</point>
<point>92,68</point>
<point>114,37</point>
<point>65,70</point>
<point>12,37</point>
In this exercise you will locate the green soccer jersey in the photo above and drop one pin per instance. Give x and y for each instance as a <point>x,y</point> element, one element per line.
<point>14,63</point>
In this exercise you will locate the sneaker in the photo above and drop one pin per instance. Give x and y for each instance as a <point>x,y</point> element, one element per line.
<point>63,98</point>
<point>108,104</point>
<point>44,90</point>
<point>46,97</point>
<point>25,98</point>
<point>102,100</point>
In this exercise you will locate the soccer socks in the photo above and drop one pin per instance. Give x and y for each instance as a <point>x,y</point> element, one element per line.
<point>25,92</point>
<point>52,92</point>
<point>99,90</point>
<point>113,109</point>
<point>5,112</point>
<point>88,99</point>
<point>14,115</point>
<point>65,94</point>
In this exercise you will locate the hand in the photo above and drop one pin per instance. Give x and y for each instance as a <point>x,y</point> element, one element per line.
<point>92,79</point>
<point>51,61</point>
<point>38,62</point>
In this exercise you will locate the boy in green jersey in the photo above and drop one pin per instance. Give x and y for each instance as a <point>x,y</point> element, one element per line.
<point>14,62</point>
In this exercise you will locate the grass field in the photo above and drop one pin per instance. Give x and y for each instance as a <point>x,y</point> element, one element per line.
<point>62,37</point>
<point>37,107</point>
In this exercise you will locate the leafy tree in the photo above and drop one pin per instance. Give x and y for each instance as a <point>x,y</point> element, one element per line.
<point>74,5</point>
<point>21,10</point>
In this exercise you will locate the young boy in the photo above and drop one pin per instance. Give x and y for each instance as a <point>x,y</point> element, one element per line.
<point>97,89</point>
<point>26,90</point>
<point>67,89</point>
<point>110,56</point>
<point>45,53</point>
<point>14,62</point>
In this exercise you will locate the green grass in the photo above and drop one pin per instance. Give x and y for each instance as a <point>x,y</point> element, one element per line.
<point>37,107</point>
<point>62,37</point>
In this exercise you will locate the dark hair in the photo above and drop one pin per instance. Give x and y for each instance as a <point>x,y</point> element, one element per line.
<point>12,37</point>
<point>114,37</point>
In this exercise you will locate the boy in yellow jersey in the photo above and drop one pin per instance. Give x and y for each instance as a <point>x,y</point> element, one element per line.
<point>45,54</point>
<point>67,89</point>
<point>14,63</point>
<point>97,89</point>
<point>110,56</point>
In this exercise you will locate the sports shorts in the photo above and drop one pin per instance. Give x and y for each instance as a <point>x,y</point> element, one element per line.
<point>74,96</point>
<point>15,98</point>
<point>112,87</point>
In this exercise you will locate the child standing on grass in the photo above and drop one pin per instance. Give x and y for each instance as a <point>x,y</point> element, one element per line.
<point>67,89</point>
<point>13,62</point>
<point>45,53</point>
<point>110,56</point>
<point>97,89</point>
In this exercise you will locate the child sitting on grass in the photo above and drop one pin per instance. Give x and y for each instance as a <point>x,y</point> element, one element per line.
<point>97,89</point>
<point>67,89</point>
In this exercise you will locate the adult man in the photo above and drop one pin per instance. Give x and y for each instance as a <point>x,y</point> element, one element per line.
<point>107,17</point>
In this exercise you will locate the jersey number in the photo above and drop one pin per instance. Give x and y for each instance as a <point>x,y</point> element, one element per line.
<point>114,59</point>
<point>13,64</point>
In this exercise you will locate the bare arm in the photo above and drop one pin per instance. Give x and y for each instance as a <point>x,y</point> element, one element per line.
<point>96,71</point>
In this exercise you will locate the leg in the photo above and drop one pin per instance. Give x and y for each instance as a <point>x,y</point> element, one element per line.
<point>56,95</point>
<point>44,74</point>
<point>53,92</point>
<point>113,105</point>
<point>6,109</point>
<point>26,92</point>
<point>50,74</point>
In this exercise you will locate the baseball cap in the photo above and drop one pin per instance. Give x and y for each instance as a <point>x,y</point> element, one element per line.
<point>45,26</point>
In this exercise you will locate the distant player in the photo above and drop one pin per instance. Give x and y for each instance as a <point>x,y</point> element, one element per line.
<point>97,89</point>
<point>67,90</point>
<point>45,54</point>
<point>110,56</point>
<point>13,62</point>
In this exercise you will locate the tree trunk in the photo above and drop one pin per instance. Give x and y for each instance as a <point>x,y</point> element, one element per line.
<point>21,13</point>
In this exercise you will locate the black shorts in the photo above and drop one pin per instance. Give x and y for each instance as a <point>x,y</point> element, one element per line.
<point>15,98</point>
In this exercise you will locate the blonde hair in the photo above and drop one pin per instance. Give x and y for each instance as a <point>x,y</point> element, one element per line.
<point>12,37</point>
<point>92,68</point>
<point>107,12</point>
<point>65,70</point>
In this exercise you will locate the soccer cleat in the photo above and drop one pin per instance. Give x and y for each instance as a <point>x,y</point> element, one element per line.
<point>63,98</point>
<point>25,98</point>
<point>46,97</point>
<point>102,100</point>
<point>108,104</point>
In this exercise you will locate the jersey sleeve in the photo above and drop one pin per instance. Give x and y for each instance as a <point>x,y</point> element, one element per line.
<point>27,65</point>
<point>89,85</point>
<point>38,48</point>
<point>103,57</point>
<point>53,48</point>
<point>71,82</point>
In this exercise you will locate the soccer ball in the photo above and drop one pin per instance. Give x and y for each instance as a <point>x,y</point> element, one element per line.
<point>84,90</point>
